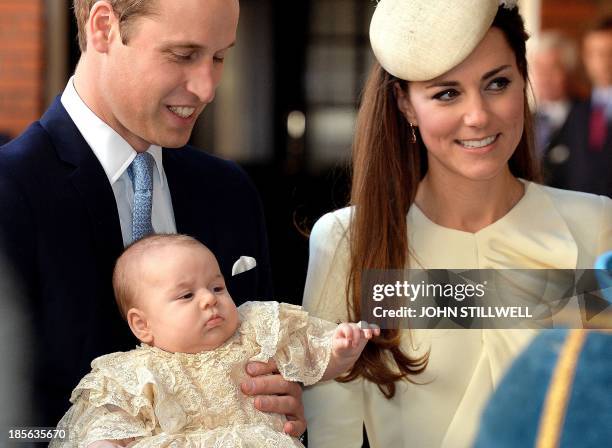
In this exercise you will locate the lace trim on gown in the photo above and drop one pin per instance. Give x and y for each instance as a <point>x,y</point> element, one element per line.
<point>165,399</point>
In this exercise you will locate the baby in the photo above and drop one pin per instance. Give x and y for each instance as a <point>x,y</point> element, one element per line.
<point>180,387</point>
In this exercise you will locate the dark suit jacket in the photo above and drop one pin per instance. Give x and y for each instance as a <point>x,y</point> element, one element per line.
<point>59,228</point>
<point>583,169</point>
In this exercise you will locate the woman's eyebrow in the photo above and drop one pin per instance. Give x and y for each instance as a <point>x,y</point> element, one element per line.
<point>494,72</point>
<point>449,83</point>
<point>443,83</point>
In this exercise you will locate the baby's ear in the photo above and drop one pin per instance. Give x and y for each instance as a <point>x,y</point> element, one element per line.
<point>137,320</point>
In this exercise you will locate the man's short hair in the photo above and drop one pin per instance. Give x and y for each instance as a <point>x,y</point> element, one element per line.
<point>124,280</point>
<point>602,24</point>
<point>126,11</point>
<point>556,40</point>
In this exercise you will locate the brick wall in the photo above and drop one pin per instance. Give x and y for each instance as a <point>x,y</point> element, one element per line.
<point>572,16</point>
<point>21,63</point>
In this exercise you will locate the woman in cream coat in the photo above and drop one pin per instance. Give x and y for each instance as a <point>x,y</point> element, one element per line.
<point>443,178</point>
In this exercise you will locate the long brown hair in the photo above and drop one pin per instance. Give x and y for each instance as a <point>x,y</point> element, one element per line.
<point>387,169</point>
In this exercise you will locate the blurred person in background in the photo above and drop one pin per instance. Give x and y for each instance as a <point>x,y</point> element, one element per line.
<point>553,58</point>
<point>588,131</point>
<point>15,337</point>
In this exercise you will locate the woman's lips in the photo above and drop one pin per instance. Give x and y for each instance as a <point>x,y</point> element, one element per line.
<point>478,143</point>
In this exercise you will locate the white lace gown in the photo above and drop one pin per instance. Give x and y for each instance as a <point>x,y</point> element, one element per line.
<point>164,399</point>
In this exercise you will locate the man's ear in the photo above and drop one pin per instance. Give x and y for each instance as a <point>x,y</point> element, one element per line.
<point>102,26</point>
<point>404,104</point>
<point>137,320</point>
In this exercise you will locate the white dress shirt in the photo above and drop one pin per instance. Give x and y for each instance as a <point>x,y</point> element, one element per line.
<point>555,111</point>
<point>115,155</point>
<point>602,96</point>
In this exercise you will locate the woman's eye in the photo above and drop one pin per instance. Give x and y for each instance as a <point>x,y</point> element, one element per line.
<point>446,95</point>
<point>498,84</point>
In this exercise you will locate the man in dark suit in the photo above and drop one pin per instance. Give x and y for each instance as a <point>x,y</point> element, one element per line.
<point>67,188</point>
<point>588,130</point>
<point>553,58</point>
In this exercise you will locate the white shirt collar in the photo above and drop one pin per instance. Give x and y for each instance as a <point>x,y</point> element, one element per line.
<point>555,111</point>
<point>602,95</point>
<point>113,152</point>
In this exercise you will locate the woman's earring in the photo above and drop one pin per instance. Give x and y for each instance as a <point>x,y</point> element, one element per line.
<point>413,138</point>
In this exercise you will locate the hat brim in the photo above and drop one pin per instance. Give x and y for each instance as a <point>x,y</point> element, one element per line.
<point>419,40</point>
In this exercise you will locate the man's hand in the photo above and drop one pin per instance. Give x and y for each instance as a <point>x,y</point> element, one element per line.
<point>275,394</point>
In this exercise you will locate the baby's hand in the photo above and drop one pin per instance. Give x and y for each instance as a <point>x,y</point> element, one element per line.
<point>348,342</point>
<point>350,339</point>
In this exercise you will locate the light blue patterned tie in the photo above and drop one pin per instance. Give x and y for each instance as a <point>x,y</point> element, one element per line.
<point>141,174</point>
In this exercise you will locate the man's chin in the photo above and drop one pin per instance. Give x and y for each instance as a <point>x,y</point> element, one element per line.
<point>172,142</point>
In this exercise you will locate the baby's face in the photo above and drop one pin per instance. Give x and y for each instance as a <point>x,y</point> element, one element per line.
<point>183,296</point>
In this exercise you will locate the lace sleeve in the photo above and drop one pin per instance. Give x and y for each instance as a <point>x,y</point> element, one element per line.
<point>106,406</point>
<point>300,344</point>
<point>304,345</point>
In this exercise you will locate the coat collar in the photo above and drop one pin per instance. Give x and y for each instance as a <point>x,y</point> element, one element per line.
<point>88,177</point>
<point>533,235</point>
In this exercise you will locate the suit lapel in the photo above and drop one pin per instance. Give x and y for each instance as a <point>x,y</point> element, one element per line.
<point>88,178</point>
<point>186,190</point>
<point>200,211</point>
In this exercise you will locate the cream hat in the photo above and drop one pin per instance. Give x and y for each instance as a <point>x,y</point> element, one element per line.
<point>418,40</point>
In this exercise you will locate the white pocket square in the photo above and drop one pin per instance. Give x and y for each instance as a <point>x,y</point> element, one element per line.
<point>243,264</point>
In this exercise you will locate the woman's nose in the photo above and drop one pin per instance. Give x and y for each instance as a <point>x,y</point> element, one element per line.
<point>477,114</point>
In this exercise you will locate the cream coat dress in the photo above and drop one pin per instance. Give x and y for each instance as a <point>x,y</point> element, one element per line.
<point>547,228</point>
